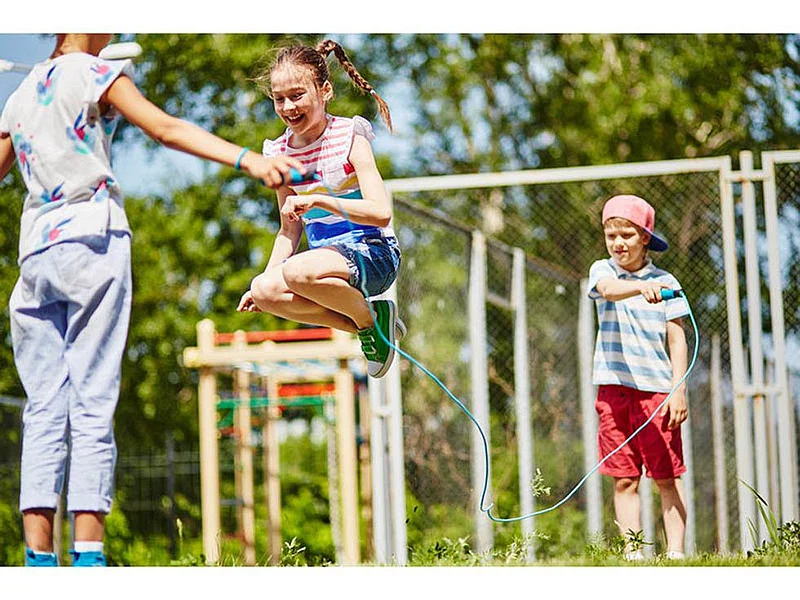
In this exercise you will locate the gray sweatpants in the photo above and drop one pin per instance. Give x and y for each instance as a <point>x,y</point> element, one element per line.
<point>70,311</point>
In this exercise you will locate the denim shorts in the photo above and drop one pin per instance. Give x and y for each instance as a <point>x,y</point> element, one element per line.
<point>373,262</point>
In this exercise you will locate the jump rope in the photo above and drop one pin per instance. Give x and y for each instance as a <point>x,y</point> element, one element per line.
<point>666,294</point>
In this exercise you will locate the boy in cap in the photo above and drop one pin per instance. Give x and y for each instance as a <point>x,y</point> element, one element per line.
<point>633,371</point>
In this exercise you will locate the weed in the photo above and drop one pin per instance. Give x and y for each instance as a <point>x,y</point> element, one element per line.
<point>292,554</point>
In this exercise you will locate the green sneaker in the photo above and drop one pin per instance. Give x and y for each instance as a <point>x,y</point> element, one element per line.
<point>379,354</point>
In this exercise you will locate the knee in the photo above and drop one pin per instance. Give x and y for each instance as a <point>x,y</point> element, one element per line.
<point>266,290</point>
<point>626,485</point>
<point>666,485</point>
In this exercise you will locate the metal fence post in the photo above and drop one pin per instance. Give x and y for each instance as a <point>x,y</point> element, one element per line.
<point>479,387</point>
<point>523,398</point>
<point>720,489</point>
<point>586,337</point>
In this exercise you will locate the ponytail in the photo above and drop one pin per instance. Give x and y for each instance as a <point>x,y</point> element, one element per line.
<point>326,47</point>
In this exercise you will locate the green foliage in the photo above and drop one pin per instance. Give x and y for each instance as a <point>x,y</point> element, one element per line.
<point>783,539</point>
<point>12,550</point>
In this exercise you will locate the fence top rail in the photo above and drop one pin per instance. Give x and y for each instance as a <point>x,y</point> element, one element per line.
<point>559,175</point>
<point>779,156</point>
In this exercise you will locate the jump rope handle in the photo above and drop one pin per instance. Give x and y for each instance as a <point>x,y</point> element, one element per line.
<point>670,294</point>
<point>296,177</point>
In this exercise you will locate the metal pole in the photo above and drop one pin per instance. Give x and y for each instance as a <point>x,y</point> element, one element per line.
<point>741,406</point>
<point>772,443</point>
<point>392,415</point>
<point>209,451</point>
<point>397,470</point>
<point>753,283</point>
<point>523,399</point>
<point>646,513</point>
<point>586,340</point>
<point>717,433</point>
<point>379,451</point>
<point>480,388</point>
<point>787,451</point>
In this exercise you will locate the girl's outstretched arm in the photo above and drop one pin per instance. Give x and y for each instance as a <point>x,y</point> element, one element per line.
<point>181,135</point>
<point>7,155</point>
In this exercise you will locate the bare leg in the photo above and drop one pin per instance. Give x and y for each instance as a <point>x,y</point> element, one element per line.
<point>38,525</point>
<point>626,505</point>
<point>673,508</point>
<point>89,526</point>
<point>312,287</point>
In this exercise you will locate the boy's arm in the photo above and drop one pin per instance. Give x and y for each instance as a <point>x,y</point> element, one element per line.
<point>186,137</point>
<point>676,342</point>
<point>614,290</point>
<point>7,155</point>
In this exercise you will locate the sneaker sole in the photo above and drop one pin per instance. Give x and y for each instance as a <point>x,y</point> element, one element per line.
<point>400,329</point>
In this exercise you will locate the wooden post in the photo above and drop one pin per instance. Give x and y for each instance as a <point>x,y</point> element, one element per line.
<point>348,462</point>
<point>244,456</point>
<point>272,465</point>
<point>209,450</point>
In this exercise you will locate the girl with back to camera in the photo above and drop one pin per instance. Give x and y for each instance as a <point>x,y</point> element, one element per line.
<point>71,305</point>
<point>353,252</point>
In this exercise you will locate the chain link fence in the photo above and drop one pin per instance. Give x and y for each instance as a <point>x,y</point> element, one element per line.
<point>558,227</point>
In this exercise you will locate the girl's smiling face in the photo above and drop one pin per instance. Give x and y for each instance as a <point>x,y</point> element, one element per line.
<point>299,102</point>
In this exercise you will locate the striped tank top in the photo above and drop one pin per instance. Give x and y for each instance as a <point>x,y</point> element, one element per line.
<point>328,157</point>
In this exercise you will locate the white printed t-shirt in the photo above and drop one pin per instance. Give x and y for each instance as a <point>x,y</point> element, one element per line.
<point>631,346</point>
<point>63,146</point>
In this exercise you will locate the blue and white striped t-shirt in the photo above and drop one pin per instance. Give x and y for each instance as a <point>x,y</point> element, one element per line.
<point>631,347</point>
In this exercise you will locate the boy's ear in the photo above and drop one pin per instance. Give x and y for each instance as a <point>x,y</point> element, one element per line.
<point>646,237</point>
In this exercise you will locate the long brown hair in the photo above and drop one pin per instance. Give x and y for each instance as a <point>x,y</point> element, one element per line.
<point>315,59</point>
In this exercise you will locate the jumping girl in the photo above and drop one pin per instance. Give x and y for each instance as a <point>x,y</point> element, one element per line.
<point>353,253</point>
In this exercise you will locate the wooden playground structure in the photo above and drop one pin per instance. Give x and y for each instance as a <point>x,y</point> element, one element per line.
<point>311,364</point>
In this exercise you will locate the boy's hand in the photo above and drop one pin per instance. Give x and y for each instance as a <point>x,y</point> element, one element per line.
<point>247,304</point>
<point>272,171</point>
<point>676,409</point>
<point>651,290</point>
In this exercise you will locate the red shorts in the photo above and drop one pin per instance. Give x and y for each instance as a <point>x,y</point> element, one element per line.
<point>621,411</point>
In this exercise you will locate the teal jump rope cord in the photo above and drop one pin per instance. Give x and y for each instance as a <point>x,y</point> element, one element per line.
<point>421,367</point>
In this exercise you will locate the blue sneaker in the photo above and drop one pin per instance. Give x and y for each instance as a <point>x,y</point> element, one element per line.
<point>40,559</point>
<point>88,559</point>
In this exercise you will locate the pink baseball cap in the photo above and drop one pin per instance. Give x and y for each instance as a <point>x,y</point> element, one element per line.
<point>637,211</point>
